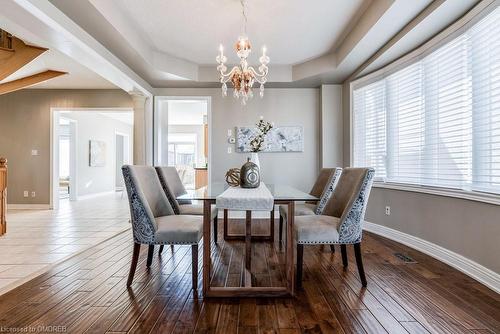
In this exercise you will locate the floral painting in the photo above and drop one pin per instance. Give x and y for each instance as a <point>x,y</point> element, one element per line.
<point>278,139</point>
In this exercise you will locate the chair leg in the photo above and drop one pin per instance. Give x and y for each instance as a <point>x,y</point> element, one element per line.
<point>194,264</point>
<point>151,250</point>
<point>359,262</point>
<point>161,249</point>
<point>332,248</point>
<point>300,260</point>
<point>343,250</point>
<point>215,229</point>
<point>133,265</point>
<point>281,229</point>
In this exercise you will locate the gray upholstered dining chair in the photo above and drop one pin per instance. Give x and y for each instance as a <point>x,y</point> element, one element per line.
<point>341,221</point>
<point>153,219</point>
<point>322,188</point>
<point>173,187</point>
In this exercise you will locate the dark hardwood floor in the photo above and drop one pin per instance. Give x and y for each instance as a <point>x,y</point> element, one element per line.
<point>87,294</point>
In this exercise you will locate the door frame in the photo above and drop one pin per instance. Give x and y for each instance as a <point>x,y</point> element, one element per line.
<point>157,131</point>
<point>127,149</point>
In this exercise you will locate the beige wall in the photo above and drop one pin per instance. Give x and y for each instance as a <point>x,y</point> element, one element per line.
<point>281,106</point>
<point>469,228</point>
<point>25,125</point>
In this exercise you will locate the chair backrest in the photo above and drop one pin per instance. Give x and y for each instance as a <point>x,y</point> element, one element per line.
<point>330,186</point>
<point>172,186</point>
<point>147,201</point>
<point>349,201</point>
<point>321,181</point>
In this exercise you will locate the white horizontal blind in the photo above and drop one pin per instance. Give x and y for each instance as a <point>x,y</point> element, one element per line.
<point>369,119</point>
<point>437,121</point>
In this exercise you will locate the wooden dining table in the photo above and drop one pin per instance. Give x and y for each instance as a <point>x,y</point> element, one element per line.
<point>283,195</point>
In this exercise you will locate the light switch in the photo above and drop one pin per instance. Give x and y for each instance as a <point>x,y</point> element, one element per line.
<point>25,193</point>
<point>229,150</point>
<point>34,152</point>
<point>229,132</point>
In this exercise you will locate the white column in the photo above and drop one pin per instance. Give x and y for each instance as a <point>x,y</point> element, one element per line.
<point>139,104</point>
<point>331,126</point>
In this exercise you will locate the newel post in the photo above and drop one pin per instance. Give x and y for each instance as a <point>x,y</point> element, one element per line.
<point>3,195</point>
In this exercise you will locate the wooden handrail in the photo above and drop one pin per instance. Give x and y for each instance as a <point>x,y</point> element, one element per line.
<point>3,195</point>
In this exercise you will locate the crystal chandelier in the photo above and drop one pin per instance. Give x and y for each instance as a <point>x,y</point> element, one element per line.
<point>243,76</point>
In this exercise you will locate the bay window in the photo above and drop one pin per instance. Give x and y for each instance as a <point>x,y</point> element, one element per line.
<point>436,122</point>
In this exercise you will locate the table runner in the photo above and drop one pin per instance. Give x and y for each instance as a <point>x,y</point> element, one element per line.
<point>243,199</point>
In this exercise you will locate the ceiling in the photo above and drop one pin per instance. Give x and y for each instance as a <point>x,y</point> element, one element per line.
<point>140,45</point>
<point>78,77</point>
<point>280,25</point>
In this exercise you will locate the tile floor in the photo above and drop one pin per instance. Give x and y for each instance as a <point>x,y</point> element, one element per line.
<point>38,239</point>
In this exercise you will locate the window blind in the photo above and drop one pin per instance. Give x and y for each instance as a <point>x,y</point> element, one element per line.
<point>437,121</point>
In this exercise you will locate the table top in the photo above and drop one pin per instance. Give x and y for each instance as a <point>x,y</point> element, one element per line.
<point>279,192</point>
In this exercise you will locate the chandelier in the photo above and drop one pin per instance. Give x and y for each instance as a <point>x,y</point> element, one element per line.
<point>242,76</point>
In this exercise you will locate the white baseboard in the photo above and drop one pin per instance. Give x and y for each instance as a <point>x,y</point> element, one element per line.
<point>28,206</point>
<point>473,269</point>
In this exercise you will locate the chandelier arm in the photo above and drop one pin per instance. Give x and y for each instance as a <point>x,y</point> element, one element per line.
<point>260,77</point>
<point>227,76</point>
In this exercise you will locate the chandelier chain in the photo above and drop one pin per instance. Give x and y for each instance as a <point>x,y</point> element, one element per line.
<point>244,13</point>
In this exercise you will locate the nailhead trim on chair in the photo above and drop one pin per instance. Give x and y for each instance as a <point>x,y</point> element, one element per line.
<point>334,179</point>
<point>171,243</point>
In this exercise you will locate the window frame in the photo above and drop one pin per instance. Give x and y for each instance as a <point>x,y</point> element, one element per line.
<point>454,30</point>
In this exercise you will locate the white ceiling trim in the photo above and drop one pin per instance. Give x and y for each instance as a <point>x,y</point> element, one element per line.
<point>41,22</point>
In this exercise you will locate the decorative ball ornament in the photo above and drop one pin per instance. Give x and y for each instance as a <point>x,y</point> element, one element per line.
<point>233,177</point>
<point>249,175</point>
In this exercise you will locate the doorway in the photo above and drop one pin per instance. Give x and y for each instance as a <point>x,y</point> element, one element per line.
<point>182,132</point>
<point>122,157</point>
<point>87,163</point>
<point>67,159</point>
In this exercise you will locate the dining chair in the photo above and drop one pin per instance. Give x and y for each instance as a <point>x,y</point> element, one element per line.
<point>154,221</point>
<point>173,188</point>
<point>341,221</point>
<point>322,188</point>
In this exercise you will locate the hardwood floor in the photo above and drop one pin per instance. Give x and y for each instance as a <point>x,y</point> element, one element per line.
<point>87,294</point>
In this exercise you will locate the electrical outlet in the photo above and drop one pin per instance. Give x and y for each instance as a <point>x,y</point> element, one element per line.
<point>229,150</point>
<point>33,194</point>
<point>34,152</point>
<point>388,210</point>
<point>26,193</point>
<point>229,132</point>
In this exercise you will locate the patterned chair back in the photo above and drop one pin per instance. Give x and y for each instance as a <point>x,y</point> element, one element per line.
<point>328,188</point>
<point>147,201</point>
<point>349,201</point>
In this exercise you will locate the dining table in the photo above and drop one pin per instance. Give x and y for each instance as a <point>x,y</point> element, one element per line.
<point>282,195</point>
